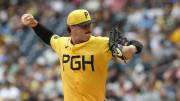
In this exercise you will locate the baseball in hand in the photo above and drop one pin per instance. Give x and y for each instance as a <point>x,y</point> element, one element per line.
<point>25,18</point>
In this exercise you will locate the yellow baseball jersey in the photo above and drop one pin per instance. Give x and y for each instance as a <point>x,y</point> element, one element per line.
<point>83,67</point>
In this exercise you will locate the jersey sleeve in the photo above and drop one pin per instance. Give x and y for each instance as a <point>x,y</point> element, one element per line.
<point>103,44</point>
<point>54,42</point>
<point>106,46</point>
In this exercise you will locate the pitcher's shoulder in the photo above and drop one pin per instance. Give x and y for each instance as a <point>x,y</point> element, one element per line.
<point>100,38</point>
<point>57,37</point>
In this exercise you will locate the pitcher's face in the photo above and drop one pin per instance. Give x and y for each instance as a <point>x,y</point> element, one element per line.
<point>81,33</point>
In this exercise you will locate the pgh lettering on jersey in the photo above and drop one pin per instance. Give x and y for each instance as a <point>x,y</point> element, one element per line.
<point>83,67</point>
<point>82,63</point>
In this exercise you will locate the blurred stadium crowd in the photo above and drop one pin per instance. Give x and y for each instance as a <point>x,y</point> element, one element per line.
<point>29,68</point>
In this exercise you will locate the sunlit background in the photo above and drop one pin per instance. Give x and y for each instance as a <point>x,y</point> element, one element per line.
<point>29,69</point>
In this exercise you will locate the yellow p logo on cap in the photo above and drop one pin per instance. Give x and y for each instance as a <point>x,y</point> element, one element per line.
<point>80,16</point>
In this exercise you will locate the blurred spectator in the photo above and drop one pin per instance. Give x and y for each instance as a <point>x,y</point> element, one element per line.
<point>10,92</point>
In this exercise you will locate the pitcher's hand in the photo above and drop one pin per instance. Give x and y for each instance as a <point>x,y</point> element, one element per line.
<point>28,20</point>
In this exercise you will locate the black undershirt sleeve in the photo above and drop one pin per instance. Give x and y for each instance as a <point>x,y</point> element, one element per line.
<point>44,33</point>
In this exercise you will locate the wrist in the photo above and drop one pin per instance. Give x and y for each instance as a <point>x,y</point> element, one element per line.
<point>133,48</point>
